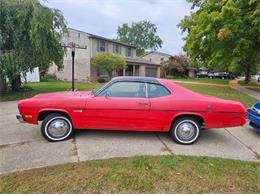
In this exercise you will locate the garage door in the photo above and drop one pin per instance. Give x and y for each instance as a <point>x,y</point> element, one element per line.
<point>150,72</point>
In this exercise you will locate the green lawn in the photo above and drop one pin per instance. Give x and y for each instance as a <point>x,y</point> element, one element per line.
<point>252,83</point>
<point>160,174</point>
<point>222,92</point>
<point>204,80</point>
<point>31,89</point>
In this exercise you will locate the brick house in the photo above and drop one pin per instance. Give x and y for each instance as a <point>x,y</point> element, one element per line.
<point>92,45</point>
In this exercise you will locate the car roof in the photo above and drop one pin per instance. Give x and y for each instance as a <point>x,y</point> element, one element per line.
<point>136,79</point>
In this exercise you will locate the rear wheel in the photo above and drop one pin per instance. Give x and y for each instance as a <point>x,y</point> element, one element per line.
<point>185,130</point>
<point>56,127</point>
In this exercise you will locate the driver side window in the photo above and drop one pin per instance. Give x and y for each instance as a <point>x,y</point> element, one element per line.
<point>125,89</point>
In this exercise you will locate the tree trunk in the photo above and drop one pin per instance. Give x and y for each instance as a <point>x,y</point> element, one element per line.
<point>247,74</point>
<point>110,75</point>
<point>16,83</point>
<point>3,87</point>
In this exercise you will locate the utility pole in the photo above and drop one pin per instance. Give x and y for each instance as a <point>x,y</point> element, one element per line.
<point>72,71</point>
<point>73,47</point>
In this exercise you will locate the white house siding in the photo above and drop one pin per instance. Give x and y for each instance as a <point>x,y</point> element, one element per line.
<point>81,61</point>
<point>156,57</point>
<point>33,76</point>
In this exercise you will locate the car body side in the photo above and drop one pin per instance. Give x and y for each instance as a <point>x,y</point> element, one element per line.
<point>87,111</point>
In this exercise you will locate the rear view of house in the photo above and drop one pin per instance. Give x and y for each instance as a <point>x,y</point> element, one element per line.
<point>92,45</point>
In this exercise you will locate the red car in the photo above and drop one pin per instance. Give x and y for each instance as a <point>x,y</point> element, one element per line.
<point>131,104</point>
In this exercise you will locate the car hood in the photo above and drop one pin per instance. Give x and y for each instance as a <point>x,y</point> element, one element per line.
<point>56,100</point>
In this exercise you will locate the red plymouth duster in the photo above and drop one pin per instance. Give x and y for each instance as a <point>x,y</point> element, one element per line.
<point>131,104</point>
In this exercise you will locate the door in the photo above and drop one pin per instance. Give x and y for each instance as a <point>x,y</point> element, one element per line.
<point>160,117</point>
<point>150,72</point>
<point>121,106</point>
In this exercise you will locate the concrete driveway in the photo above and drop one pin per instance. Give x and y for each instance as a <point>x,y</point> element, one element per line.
<point>22,146</point>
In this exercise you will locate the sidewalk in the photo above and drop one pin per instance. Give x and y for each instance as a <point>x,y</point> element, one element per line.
<point>234,84</point>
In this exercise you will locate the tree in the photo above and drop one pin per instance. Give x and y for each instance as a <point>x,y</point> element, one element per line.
<point>109,62</point>
<point>140,34</point>
<point>30,37</point>
<point>224,34</point>
<point>176,65</point>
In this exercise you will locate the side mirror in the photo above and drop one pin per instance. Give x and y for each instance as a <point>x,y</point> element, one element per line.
<point>93,91</point>
<point>108,94</point>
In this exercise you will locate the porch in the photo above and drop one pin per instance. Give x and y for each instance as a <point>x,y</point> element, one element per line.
<point>135,67</point>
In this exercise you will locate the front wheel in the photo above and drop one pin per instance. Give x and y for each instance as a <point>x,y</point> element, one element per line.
<point>185,130</point>
<point>56,127</point>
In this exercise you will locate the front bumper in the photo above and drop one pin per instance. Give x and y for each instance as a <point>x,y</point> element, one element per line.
<point>19,117</point>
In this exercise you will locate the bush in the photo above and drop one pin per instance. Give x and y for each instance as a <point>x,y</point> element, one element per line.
<point>101,80</point>
<point>175,77</point>
<point>49,77</point>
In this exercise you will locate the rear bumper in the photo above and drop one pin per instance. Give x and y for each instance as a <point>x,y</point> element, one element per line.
<point>19,117</point>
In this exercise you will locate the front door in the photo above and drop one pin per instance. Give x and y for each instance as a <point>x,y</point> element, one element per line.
<point>121,106</point>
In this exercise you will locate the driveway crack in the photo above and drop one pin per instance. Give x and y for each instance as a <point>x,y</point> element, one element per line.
<point>75,149</point>
<point>165,145</point>
<point>18,143</point>
<point>257,156</point>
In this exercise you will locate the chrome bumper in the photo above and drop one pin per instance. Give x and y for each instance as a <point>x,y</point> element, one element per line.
<point>20,118</point>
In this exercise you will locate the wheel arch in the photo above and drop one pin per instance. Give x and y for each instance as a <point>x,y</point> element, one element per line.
<point>196,116</point>
<point>45,112</point>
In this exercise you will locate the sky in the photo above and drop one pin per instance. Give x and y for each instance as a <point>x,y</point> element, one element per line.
<point>102,17</point>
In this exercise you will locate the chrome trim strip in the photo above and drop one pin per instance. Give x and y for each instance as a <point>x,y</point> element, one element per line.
<point>146,90</point>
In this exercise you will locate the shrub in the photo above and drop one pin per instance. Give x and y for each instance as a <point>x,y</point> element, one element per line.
<point>101,80</point>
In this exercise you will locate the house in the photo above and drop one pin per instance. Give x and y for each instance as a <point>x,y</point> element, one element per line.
<point>157,57</point>
<point>160,57</point>
<point>31,76</point>
<point>91,45</point>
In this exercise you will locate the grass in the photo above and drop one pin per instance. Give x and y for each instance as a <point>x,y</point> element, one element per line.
<point>252,83</point>
<point>31,89</point>
<point>222,92</point>
<point>160,174</point>
<point>204,80</point>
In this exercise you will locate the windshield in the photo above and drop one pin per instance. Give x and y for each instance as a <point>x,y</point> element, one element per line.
<point>97,91</point>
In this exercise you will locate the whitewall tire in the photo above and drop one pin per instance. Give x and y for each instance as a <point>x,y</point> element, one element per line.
<point>56,127</point>
<point>185,130</point>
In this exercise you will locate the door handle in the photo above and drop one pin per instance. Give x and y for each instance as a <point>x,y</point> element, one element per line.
<point>143,103</point>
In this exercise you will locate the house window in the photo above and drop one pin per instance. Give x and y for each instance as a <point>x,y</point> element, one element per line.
<point>129,52</point>
<point>116,48</point>
<point>102,46</point>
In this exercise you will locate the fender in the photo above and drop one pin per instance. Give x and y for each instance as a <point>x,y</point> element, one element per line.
<point>189,113</point>
<point>53,110</point>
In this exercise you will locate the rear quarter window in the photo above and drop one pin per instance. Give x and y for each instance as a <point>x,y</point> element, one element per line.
<point>157,90</point>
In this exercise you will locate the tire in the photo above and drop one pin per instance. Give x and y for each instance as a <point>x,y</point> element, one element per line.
<point>193,128</point>
<point>63,128</point>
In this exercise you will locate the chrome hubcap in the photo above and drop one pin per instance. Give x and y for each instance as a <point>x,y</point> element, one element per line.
<point>58,128</point>
<point>186,131</point>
